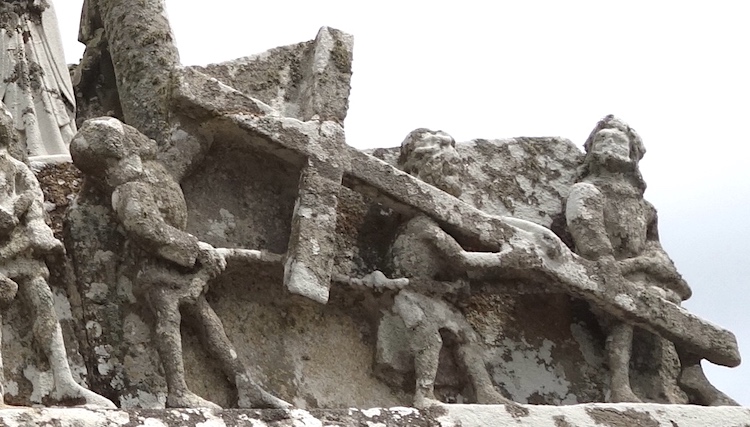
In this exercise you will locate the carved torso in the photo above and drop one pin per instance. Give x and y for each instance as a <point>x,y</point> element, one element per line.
<point>167,194</point>
<point>626,217</point>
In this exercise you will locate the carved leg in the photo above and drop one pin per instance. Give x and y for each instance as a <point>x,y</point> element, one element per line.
<point>249,393</point>
<point>49,335</point>
<point>166,309</point>
<point>470,355</point>
<point>426,345</point>
<point>619,347</point>
<point>693,381</point>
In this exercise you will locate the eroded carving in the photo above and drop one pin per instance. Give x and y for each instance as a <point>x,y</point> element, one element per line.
<point>25,243</point>
<point>427,255</point>
<point>612,223</point>
<point>288,105</point>
<point>174,267</point>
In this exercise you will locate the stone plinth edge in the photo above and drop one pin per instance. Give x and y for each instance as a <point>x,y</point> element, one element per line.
<point>615,415</point>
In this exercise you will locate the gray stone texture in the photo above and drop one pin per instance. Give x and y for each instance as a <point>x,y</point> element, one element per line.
<point>325,249</point>
<point>449,416</point>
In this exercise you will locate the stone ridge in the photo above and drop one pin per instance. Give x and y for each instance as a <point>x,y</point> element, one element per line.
<point>613,415</point>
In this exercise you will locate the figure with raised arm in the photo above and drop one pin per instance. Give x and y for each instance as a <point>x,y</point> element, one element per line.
<point>174,266</point>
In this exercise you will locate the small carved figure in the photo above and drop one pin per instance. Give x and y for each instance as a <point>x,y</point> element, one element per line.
<point>25,239</point>
<point>35,83</point>
<point>174,266</point>
<point>610,222</point>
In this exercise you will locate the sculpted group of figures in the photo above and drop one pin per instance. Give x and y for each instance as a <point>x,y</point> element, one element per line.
<point>612,227</point>
<point>607,216</point>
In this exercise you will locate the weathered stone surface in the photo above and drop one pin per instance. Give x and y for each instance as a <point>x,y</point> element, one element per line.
<point>27,246</point>
<point>620,415</point>
<point>34,80</point>
<point>305,81</point>
<point>258,148</point>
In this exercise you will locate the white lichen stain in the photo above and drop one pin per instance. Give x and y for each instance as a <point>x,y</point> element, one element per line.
<point>625,301</point>
<point>93,329</point>
<point>144,400</point>
<point>402,411</point>
<point>97,291</point>
<point>11,388</point>
<point>42,382</point>
<point>305,418</point>
<point>533,371</point>
<point>369,413</point>
<point>62,306</point>
<point>153,422</point>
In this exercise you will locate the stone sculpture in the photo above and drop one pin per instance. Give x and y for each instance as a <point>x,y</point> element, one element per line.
<point>36,85</point>
<point>611,223</point>
<point>252,154</point>
<point>418,253</point>
<point>174,267</point>
<point>26,241</point>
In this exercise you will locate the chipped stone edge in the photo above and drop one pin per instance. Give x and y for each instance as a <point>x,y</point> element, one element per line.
<point>442,416</point>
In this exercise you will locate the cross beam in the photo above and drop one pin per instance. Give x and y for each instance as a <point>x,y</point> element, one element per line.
<point>314,145</point>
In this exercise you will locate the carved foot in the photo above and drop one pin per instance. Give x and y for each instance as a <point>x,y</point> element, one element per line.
<point>694,382</point>
<point>189,399</point>
<point>425,402</point>
<point>624,395</point>
<point>74,392</point>
<point>251,395</point>
<point>492,397</point>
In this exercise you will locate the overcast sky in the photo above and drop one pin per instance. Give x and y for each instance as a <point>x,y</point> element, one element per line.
<point>678,72</point>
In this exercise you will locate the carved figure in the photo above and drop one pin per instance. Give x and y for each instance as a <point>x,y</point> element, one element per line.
<point>35,83</point>
<point>174,266</point>
<point>433,275</point>
<point>610,222</point>
<point>25,239</point>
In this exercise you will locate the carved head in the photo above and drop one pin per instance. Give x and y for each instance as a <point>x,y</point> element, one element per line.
<point>432,157</point>
<point>613,143</point>
<point>110,151</point>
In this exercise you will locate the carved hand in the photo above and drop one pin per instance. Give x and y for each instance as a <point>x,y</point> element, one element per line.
<point>210,259</point>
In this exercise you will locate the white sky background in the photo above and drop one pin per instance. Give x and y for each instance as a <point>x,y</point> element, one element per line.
<point>678,72</point>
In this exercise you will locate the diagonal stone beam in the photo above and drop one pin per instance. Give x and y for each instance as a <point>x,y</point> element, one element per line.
<point>206,99</point>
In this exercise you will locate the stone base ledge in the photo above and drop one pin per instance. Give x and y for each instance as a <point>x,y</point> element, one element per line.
<point>613,415</point>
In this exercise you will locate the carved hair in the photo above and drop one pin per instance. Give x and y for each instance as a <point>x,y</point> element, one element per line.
<point>408,146</point>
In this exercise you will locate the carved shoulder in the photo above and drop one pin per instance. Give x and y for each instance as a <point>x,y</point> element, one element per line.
<point>584,214</point>
<point>138,212</point>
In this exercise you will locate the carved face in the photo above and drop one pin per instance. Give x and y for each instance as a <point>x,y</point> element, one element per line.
<point>432,157</point>
<point>611,148</point>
